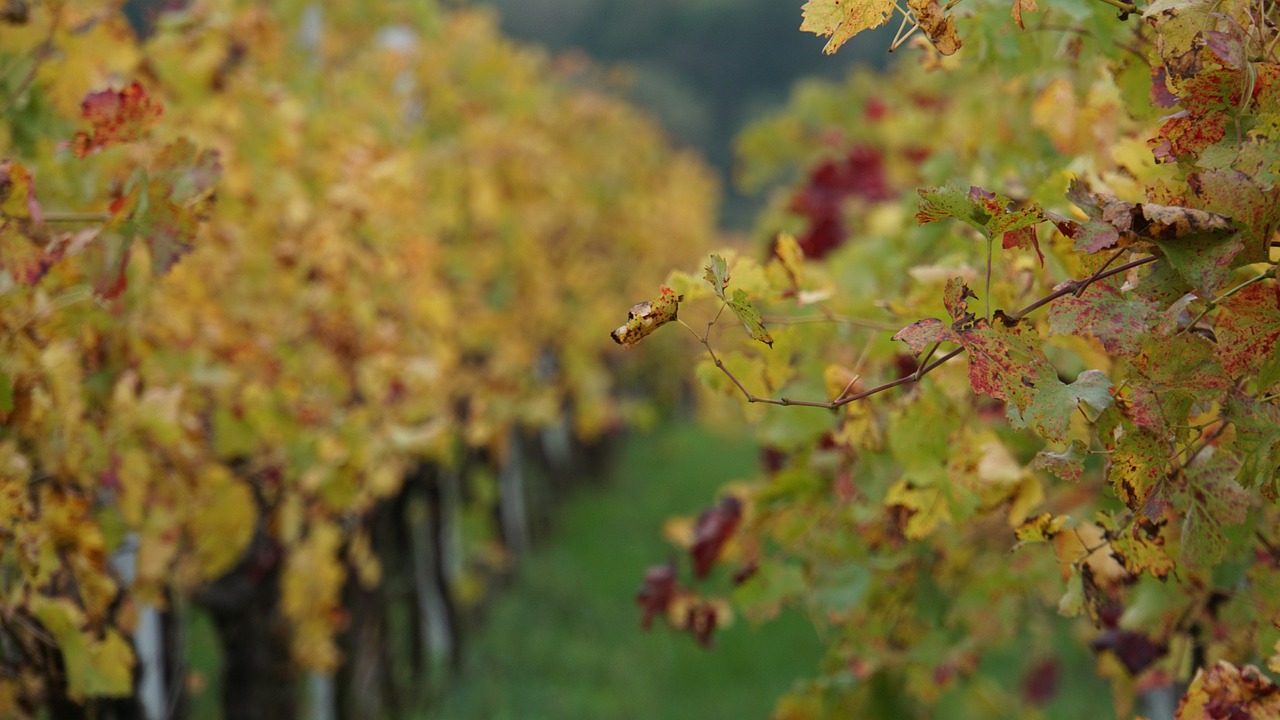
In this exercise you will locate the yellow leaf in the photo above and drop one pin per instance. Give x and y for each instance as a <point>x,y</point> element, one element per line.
<point>842,19</point>
<point>222,526</point>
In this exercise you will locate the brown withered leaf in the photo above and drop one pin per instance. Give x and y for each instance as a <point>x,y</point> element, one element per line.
<point>645,317</point>
<point>939,27</point>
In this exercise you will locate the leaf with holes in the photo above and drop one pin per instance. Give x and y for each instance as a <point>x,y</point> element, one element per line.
<point>645,317</point>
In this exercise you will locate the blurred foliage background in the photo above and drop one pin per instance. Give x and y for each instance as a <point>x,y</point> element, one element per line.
<point>705,68</point>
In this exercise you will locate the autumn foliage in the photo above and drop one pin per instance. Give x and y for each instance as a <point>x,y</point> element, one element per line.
<point>1065,503</point>
<point>257,274</point>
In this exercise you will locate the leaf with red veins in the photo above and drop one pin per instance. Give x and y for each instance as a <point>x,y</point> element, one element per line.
<point>1210,500</point>
<point>1225,691</point>
<point>1252,209</point>
<point>1248,330</point>
<point>712,532</point>
<point>1175,372</point>
<point>115,117</point>
<point>657,592</point>
<point>1118,319</point>
<point>645,317</point>
<point>1006,360</point>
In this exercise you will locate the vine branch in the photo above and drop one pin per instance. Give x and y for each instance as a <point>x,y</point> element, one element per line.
<point>1068,288</point>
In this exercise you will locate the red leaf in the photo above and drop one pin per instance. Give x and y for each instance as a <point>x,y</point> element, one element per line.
<point>657,592</point>
<point>701,621</point>
<point>115,116</point>
<point>713,529</point>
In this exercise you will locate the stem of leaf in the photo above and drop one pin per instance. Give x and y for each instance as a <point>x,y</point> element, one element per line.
<point>1209,306</point>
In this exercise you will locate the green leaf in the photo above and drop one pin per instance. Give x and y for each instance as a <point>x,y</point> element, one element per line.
<point>750,317</point>
<point>1211,499</point>
<point>772,586</point>
<point>1068,465</point>
<point>1054,403</point>
<point>717,275</point>
<point>842,19</point>
<point>1072,602</point>
<point>1257,441</point>
<point>985,211</point>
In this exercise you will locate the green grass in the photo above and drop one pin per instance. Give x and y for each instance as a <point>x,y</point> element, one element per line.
<point>563,641</point>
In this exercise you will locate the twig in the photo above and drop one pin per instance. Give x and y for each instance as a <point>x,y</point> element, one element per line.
<point>925,369</point>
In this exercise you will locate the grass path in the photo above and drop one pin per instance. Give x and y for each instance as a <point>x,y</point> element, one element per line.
<point>564,639</point>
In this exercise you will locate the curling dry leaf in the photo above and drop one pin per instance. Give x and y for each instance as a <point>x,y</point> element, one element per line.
<point>647,316</point>
<point>1226,691</point>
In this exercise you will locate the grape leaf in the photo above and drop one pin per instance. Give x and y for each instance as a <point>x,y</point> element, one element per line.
<point>750,317</point>
<point>1248,330</point>
<point>1040,528</point>
<point>1118,319</point>
<point>842,19</point>
<point>1054,403</point>
<point>1006,361</point>
<point>717,275</point>
<point>1168,389</point>
<point>712,532</point>
<point>1141,552</point>
<point>938,26</point>
<point>988,212</point>
<point>1137,465</point>
<point>1257,441</point>
<point>1226,691</point>
<point>1253,209</point>
<point>18,193</point>
<point>645,317</point>
<point>1068,465</point>
<point>115,116</point>
<point>1211,499</point>
<point>657,592</point>
<point>95,666</point>
<point>1133,649</point>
